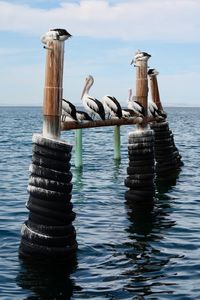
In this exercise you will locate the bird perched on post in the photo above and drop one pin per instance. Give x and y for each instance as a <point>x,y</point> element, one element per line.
<point>153,72</point>
<point>83,116</point>
<point>91,104</point>
<point>153,110</point>
<point>55,34</point>
<point>135,106</point>
<point>112,107</point>
<point>69,111</point>
<point>140,56</point>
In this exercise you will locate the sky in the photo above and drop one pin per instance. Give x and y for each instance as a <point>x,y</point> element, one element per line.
<point>105,36</point>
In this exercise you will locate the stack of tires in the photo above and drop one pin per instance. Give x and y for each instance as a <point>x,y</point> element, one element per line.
<point>140,179</point>
<point>48,232</point>
<point>168,159</point>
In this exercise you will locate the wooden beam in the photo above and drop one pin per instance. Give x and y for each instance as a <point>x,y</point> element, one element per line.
<point>155,95</point>
<point>101,123</point>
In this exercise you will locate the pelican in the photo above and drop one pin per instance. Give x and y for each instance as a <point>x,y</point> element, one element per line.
<point>112,106</point>
<point>55,34</point>
<point>139,55</point>
<point>153,110</point>
<point>69,111</point>
<point>92,105</point>
<point>153,72</point>
<point>83,116</point>
<point>135,106</point>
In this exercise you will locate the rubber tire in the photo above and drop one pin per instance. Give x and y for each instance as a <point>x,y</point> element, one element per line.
<point>44,220</point>
<point>51,185</point>
<point>52,230</point>
<point>57,206</point>
<point>50,163</point>
<point>50,174</point>
<point>141,170</point>
<point>137,146</point>
<point>51,143</point>
<point>51,153</point>
<point>149,139</point>
<point>48,195</point>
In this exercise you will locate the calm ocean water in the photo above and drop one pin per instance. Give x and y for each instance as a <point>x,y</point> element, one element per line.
<point>122,254</point>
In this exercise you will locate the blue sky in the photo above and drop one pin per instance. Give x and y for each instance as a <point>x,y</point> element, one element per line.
<point>106,33</point>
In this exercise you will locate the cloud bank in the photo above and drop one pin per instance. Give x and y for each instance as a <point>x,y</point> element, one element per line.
<point>166,20</point>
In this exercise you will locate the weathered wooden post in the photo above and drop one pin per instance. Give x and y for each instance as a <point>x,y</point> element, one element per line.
<point>168,159</point>
<point>141,173</point>
<point>48,233</point>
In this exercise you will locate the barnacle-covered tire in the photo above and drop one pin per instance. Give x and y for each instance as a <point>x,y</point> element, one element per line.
<point>52,230</point>
<point>57,206</point>
<point>51,153</point>
<point>51,163</point>
<point>50,173</point>
<point>45,194</point>
<point>47,240</point>
<point>51,185</point>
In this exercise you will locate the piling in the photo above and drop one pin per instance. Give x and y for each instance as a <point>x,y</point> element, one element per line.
<point>167,156</point>
<point>141,171</point>
<point>48,233</point>
<point>78,148</point>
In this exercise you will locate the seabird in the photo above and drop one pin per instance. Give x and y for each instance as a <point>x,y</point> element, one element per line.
<point>69,110</point>
<point>134,105</point>
<point>139,55</point>
<point>55,34</point>
<point>152,72</point>
<point>112,107</point>
<point>83,116</point>
<point>91,104</point>
<point>153,110</point>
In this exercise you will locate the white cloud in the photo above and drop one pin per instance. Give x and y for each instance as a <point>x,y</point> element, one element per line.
<point>169,20</point>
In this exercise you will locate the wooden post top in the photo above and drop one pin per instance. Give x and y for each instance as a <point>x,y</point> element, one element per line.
<point>52,103</point>
<point>140,62</point>
<point>155,95</point>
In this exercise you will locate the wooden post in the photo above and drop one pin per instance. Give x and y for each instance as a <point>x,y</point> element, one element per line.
<point>78,148</point>
<point>142,81</point>
<point>52,103</point>
<point>155,95</point>
<point>117,154</point>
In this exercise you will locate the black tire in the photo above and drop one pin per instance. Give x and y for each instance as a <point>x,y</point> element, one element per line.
<point>44,220</point>
<point>50,174</point>
<point>145,193</point>
<point>52,230</point>
<point>51,185</point>
<point>51,144</point>
<point>131,196</point>
<point>50,163</point>
<point>63,217</point>
<point>141,163</point>
<point>47,194</point>
<point>162,148</point>
<point>46,240</point>
<point>57,206</point>
<point>33,250</point>
<point>141,152</point>
<point>51,153</point>
<point>141,177</point>
<point>141,133</point>
<point>141,170</point>
<point>133,183</point>
<point>163,142</point>
<point>141,156</point>
<point>133,140</point>
<point>142,146</point>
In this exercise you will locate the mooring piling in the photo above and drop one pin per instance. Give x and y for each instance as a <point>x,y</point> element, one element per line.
<point>168,159</point>
<point>48,233</point>
<point>52,103</point>
<point>141,172</point>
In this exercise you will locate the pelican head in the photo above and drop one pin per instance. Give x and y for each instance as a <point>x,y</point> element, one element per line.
<point>88,83</point>
<point>153,72</point>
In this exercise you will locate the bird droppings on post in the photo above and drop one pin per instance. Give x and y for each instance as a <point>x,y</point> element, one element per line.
<point>48,234</point>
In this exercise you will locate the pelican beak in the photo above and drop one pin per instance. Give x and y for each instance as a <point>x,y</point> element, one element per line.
<point>132,62</point>
<point>84,89</point>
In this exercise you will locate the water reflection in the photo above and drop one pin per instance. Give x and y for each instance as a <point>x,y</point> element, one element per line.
<point>47,280</point>
<point>149,220</point>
